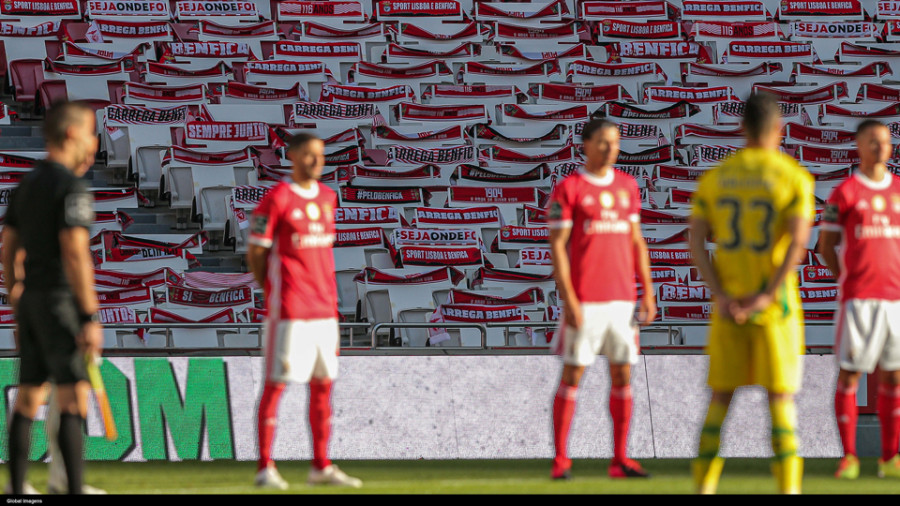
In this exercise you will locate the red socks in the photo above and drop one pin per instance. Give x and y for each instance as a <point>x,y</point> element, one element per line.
<point>563,410</point>
<point>846,412</point>
<point>320,420</point>
<point>266,419</point>
<point>620,409</point>
<point>889,416</point>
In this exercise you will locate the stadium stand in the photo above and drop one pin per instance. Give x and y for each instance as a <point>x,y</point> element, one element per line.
<point>447,125</point>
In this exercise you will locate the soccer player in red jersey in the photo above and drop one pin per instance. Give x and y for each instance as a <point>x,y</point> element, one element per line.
<point>862,216</point>
<point>290,254</point>
<point>597,247</point>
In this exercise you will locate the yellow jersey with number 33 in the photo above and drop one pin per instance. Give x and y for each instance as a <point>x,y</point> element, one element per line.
<point>747,201</point>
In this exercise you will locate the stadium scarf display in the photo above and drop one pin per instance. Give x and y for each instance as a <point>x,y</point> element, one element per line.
<point>488,274</point>
<point>652,217</point>
<point>324,110</point>
<point>879,93</point>
<point>650,156</point>
<point>820,8</point>
<point>371,275</point>
<point>130,254</point>
<point>471,313</point>
<point>736,29</point>
<point>40,8</point>
<point>492,195</point>
<point>439,156</point>
<point>842,29</point>
<point>465,50</point>
<point>156,93</point>
<point>180,155</point>
<point>320,9</point>
<point>765,68</point>
<point>412,31</point>
<point>385,216</point>
<point>423,255</point>
<point>435,237</point>
<point>622,29</point>
<point>468,172</point>
<point>115,239</point>
<point>324,31</point>
<point>698,312</point>
<point>47,29</point>
<point>118,279</point>
<point>445,113</point>
<point>575,51</point>
<point>669,292</point>
<point>158,315</point>
<point>798,132</point>
<point>243,131</point>
<point>402,8</point>
<point>423,171</point>
<point>834,110</point>
<point>706,132</point>
<point>377,195</point>
<point>485,131</point>
<point>623,110</point>
<point>637,9</point>
<point>511,236</point>
<point>427,69</point>
<point>183,296</point>
<point>124,297</point>
<point>534,256</point>
<point>162,69</point>
<point>527,297</point>
<point>360,94</point>
<point>517,32</point>
<point>215,8</point>
<point>486,215</point>
<point>693,95</point>
<point>116,314</point>
<point>544,68</point>
<point>315,50</point>
<point>590,68</point>
<point>143,8</point>
<point>574,113</point>
<point>356,237</point>
<point>501,154</point>
<point>828,93</point>
<point>659,49</point>
<point>79,69</point>
<point>243,91</point>
<point>849,49</point>
<point>454,132</point>
<point>737,9</point>
<point>770,49</point>
<point>344,156</point>
<point>577,93</point>
<point>674,257</point>
<point>828,156</point>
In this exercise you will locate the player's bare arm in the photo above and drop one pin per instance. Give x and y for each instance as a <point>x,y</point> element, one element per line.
<point>11,246</point>
<point>559,238</point>
<point>799,230</point>
<point>699,232</point>
<point>79,268</point>
<point>258,262</point>
<point>648,300</point>
<point>828,243</point>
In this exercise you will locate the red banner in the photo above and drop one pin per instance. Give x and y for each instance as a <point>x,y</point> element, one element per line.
<point>684,293</point>
<point>501,154</point>
<point>834,110</point>
<point>844,29</point>
<point>636,9</point>
<point>376,195</point>
<point>488,274</point>
<point>574,113</point>
<point>590,68</point>
<point>644,31</point>
<point>374,276</point>
<point>532,32</point>
<point>468,172</point>
<point>680,173</point>
<point>670,257</point>
<point>320,9</point>
<point>423,255</point>
<point>116,279</point>
<point>828,156</point>
<point>384,215</point>
<point>324,31</point>
<point>822,294</point>
<point>395,173</point>
<point>483,131</point>
<point>511,50</point>
<point>217,50</point>
<point>264,29</point>
<point>416,32</point>
<point>492,195</point>
<point>535,215</point>
<point>133,29</point>
<point>659,49</point>
<point>706,132</point>
<point>769,49</point>
<point>404,8</point>
<point>47,29</point>
<point>360,94</point>
<point>315,50</point>
<point>124,297</point>
<point>663,274</point>
<point>478,313</point>
<point>356,237</point>
<point>447,113</point>
<point>39,8</point>
<point>285,67</point>
<point>699,312</point>
<point>814,135</point>
<point>435,237</point>
<point>249,131</point>
<point>879,93</point>
<point>195,297</point>
<point>498,10</point>
<point>467,216</point>
<point>454,132</point>
<point>651,217</point>
<point>117,314</point>
<point>535,256</point>
<point>146,8</point>
<point>243,91</point>
<point>651,156</point>
<point>538,69</point>
<point>215,8</point>
<point>438,156</point>
<point>158,315</point>
<point>738,9</point>
<point>460,51</point>
<point>528,297</point>
<point>829,93</point>
<point>157,93</point>
<point>627,111</point>
<point>692,95</point>
<point>525,235</point>
<point>736,29</point>
<point>162,69</point>
<point>576,93</point>
<point>428,69</point>
<point>820,8</point>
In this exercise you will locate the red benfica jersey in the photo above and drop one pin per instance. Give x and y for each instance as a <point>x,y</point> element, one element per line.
<point>868,215</point>
<point>601,213</point>
<point>298,226</point>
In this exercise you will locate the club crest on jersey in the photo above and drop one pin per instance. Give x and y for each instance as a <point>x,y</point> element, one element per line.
<point>607,200</point>
<point>297,214</point>
<point>259,225</point>
<point>312,210</point>
<point>587,201</point>
<point>624,198</point>
<point>831,213</point>
<point>878,203</point>
<point>862,205</point>
<point>895,201</point>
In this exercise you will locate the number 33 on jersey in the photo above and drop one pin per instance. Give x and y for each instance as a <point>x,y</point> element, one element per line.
<point>747,201</point>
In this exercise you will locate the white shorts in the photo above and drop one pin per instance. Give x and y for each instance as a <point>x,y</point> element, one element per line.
<point>607,328</point>
<point>868,333</point>
<point>297,350</point>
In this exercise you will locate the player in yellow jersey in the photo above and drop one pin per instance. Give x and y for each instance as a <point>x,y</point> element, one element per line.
<point>757,206</point>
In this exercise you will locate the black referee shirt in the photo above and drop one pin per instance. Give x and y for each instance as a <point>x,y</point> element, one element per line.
<point>49,199</point>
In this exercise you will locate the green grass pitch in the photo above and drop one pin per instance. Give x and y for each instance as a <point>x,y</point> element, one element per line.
<point>741,476</point>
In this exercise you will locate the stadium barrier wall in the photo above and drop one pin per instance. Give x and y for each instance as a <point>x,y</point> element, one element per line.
<point>430,407</point>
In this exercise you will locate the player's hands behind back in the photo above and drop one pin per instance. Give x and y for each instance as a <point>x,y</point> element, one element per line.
<point>747,306</point>
<point>90,339</point>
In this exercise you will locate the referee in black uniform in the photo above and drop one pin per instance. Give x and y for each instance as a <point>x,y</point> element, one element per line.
<point>48,222</point>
